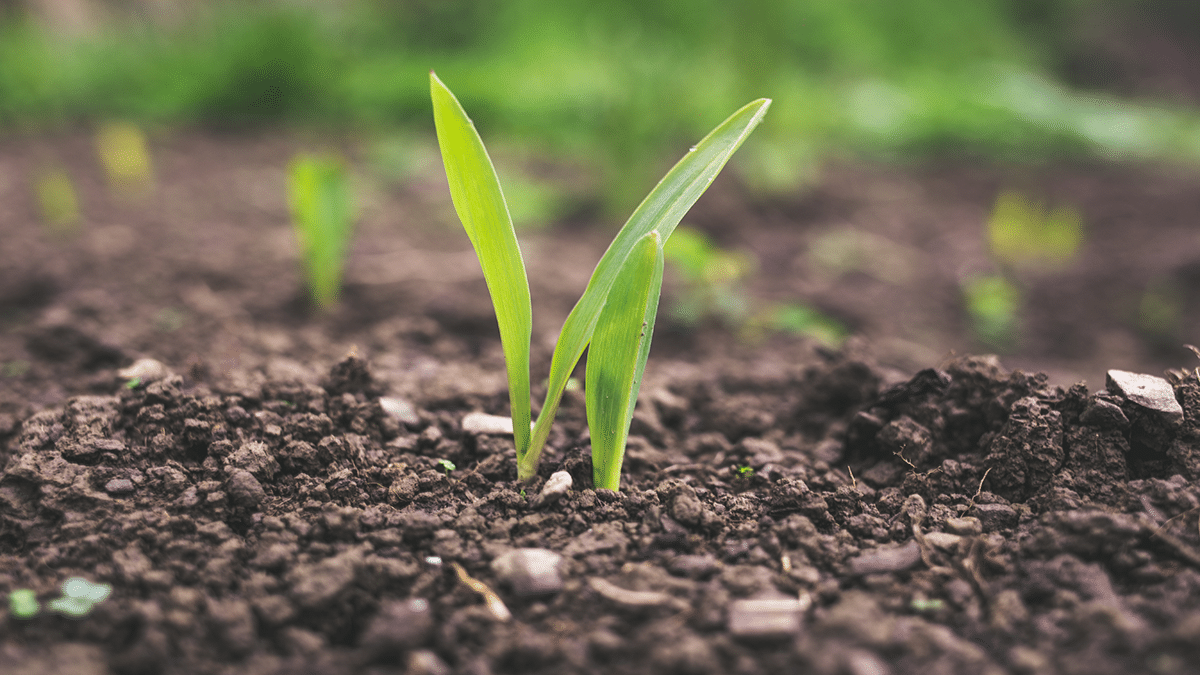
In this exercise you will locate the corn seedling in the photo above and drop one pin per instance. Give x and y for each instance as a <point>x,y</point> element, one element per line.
<point>126,158</point>
<point>323,215</point>
<point>1024,232</point>
<point>993,303</point>
<point>616,312</point>
<point>57,201</point>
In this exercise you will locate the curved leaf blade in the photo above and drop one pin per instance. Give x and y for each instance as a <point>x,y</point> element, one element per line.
<point>659,212</point>
<point>617,357</point>
<point>479,201</point>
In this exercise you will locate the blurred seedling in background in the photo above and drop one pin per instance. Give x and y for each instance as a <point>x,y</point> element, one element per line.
<point>1161,310</point>
<point>614,318</point>
<point>23,603</point>
<point>712,278</point>
<point>1024,236</point>
<point>57,201</point>
<point>323,216</point>
<point>1023,233</point>
<point>125,157</point>
<point>797,319</point>
<point>714,285</point>
<point>79,597</point>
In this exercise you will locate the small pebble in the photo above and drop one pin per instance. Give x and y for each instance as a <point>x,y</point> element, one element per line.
<point>558,484</point>
<point>483,423</point>
<point>1147,391</point>
<point>399,410</point>
<point>765,618</point>
<point>966,527</point>
<point>119,486</point>
<point>530,571</point>
<point>886,559</point>
<point>145,371</point>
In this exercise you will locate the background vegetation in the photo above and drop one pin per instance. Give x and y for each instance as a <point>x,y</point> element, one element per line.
<point>622,83</point>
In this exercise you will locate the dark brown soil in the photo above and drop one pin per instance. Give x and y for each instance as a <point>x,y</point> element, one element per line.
<point>278,502</point>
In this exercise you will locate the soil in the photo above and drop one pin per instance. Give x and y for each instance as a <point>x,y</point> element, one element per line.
<point>284,491</point>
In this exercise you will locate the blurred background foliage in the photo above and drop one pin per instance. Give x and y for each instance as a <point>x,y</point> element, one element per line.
<point>621,85</point>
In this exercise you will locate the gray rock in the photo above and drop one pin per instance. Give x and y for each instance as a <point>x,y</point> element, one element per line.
<point>146,371</point>
<point>119,486</point>
<point>765,618</point>
<point>1146,391</point>
<point>887,559</point>
<point>530,571</point>
<point>483,423</point>
<point>399,410</point>
<point>558,484</point>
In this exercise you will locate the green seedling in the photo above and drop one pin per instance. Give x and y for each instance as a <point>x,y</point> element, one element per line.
<point>712,278</point>
<point>57,201</point>
<point>323,215</point>
<point>125,156</point>
<point>1024,232</point>
<point>993,303</point>
<point>79,596</point>
<point>23,604</point>
<point>446,465</point>
<point>616,312</point>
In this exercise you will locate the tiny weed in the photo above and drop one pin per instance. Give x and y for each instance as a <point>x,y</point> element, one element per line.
<point>125,156</point>
<point>616,313</point>
<point>323,216</point>
<point>23,604</point>
<point>57,201</point>
<point>446,465</point>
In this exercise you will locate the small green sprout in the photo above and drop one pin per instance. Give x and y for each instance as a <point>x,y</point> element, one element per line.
<point>133,383</point>
<point>323,215</point>
<point>617,310</point>
<point>993,303</point>
<point>1022,231</point>
<point>446,465</point>
<point>57,201</point>
<point>746,472</point>
<point>79,596</point>
<point>125,156</point>
<point>23,604</point>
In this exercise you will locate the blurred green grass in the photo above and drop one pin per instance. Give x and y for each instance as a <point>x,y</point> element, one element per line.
<point>623,84</point>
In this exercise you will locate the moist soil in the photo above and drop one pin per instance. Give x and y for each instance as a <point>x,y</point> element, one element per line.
<point>279,490</point>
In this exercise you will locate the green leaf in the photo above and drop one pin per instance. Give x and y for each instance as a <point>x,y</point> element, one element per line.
<point>660,212</point>
<point>323,214</point>
<point>617,357</point>
<point>480,204</point>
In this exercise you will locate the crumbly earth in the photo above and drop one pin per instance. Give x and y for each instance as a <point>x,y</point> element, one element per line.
<point>274,497</point>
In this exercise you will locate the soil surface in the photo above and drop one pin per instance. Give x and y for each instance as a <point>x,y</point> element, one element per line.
<point>282,491</point>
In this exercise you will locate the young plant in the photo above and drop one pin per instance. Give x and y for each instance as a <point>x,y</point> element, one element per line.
<point>616,312</point>
<point>323,215</point>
